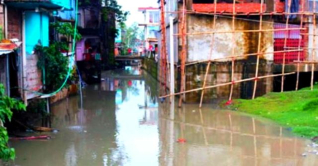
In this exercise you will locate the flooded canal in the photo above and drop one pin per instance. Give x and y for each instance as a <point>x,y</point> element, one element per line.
<point>120,122</point>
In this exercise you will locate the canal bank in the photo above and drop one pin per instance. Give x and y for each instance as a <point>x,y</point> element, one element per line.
<point>297,110</point>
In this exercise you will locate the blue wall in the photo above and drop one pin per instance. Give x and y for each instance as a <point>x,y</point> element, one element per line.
<point>36,28</point>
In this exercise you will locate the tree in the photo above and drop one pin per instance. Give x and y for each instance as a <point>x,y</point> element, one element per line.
<point>131,35</point>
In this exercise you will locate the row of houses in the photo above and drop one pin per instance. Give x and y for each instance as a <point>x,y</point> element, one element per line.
<point>287,30</point>
<point>26,23</point>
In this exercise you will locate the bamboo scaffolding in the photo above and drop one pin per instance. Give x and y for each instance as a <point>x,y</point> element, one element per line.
<point>241,31</point>
<point>210,56</point>
<point>298,56</point>
<point>183,34</point>
<point>285,44</point>
<point>224,84</point>
<point>237,56</point>
<point>258,50</point>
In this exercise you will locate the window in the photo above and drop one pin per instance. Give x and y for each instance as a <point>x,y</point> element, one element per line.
<point>154,17</point>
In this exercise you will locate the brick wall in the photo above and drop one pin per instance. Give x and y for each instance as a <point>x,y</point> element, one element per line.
<point>14,23</point>
<point>33,76</point>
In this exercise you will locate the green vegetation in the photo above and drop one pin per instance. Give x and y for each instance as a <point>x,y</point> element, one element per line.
<point>295,109</point>
<point>54,65</point>
<point>6,104</point>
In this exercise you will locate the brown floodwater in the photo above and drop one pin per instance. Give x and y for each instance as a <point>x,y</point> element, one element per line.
<point>110,125</point>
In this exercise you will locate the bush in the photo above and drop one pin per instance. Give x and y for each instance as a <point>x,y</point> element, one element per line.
<point>6,104</point>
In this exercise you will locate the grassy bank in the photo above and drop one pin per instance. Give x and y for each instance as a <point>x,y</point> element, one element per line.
<point>296,109</point>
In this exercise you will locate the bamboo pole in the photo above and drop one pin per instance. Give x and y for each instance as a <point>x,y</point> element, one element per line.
<point>306,62</point>
<point>313,51</point>
<point>298,56</point>
<point>228,83</point>
<point>258,50</point>
<point>239,56</point>
<point>233,50</point>
<point>284,54</point>
<point>240,31</point>
<point>183,53</point>
<point>211,52</point>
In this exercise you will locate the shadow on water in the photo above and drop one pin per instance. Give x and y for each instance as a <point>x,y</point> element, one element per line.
<point>120,122</point>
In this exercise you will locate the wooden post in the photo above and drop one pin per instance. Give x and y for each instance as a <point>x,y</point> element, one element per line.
<point>285,44</point>
<point>258,50</point>
<point>300,40</point>
<point>171,59</point>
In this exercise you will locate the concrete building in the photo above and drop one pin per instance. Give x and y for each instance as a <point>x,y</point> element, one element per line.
<point>151,26</point>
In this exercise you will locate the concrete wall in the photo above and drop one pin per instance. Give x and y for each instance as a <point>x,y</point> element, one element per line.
<point>312,53</point>
<point>199,46</point>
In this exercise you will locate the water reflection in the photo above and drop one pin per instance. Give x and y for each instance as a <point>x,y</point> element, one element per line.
<point>119,122</point>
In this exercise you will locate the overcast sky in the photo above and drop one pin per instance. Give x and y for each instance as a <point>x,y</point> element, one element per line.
<point>132,7</point>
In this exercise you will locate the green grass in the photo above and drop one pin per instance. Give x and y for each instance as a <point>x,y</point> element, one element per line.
<point>295,109</point>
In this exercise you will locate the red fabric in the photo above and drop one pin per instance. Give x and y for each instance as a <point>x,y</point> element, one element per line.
<point>279,6</point>
<point>291,44</point>
<point>228,8</point>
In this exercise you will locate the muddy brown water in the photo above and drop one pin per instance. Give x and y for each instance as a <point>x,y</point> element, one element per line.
<point>110,125</point>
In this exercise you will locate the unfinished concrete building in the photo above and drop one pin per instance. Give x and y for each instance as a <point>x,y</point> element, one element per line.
<point>237,49</point>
